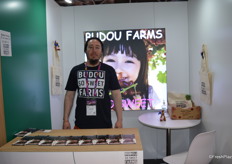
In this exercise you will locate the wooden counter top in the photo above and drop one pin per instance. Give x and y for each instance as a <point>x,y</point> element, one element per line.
<point>90,148</point>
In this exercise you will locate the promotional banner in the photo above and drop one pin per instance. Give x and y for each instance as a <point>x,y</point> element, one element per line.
<point>139,59</point>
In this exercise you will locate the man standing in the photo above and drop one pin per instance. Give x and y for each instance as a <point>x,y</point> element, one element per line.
<point>92,81</point>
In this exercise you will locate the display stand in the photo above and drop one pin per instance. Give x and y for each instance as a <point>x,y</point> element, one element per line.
<point>114,154</point>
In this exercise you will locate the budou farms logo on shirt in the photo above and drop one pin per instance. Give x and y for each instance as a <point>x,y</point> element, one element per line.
<point>91,83</point>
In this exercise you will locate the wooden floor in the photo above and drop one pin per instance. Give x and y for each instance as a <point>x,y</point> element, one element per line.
<point>154,161</point>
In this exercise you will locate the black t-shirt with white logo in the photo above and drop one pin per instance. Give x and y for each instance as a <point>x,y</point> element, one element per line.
<point>100,82</point>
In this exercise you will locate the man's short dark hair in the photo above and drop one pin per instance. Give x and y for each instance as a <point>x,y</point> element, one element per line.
<point>93,38</point>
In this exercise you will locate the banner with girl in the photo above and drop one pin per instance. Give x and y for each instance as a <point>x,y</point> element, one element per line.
<point>139,59</point>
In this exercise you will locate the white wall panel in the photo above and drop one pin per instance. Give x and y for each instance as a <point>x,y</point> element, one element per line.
<point>210,23</point>
<point>53,15</point>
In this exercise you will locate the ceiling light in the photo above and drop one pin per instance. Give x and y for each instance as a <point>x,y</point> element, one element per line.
<point>68,1</point>
<point>14,5</point>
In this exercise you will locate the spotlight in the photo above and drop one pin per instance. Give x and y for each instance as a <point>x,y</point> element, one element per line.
<point>68,1</point>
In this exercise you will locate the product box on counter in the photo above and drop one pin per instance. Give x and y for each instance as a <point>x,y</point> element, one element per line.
<point>191,113</point>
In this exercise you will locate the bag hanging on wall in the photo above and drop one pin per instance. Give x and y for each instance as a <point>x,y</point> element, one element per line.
<point>56,80</point>
<point>205,77</point>
<point>56,73</point>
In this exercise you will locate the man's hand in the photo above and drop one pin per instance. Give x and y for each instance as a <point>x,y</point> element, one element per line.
<point>116,95</point>
<point>118,124</point>
<point>66,125</point>
<point>68,103</point>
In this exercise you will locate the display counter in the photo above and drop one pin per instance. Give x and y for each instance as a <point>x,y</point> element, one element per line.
<point>114,154</point>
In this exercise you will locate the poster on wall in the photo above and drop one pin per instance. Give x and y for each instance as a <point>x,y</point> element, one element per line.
<point>139,59</point>
<point>5,43</point>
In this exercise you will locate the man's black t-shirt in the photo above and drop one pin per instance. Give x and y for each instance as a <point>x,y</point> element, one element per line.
<point>100,82</point>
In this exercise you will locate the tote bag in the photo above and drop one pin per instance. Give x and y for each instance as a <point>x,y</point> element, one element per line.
<point>205,77</point>
<point>56,75</point>
<point>56,80</point>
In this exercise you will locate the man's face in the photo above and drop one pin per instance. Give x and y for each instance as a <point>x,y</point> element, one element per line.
<point>94,51</point>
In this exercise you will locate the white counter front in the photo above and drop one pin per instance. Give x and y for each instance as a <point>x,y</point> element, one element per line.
<point>97,154</point>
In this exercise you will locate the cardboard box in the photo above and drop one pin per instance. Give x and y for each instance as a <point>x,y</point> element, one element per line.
<point>177,113</point>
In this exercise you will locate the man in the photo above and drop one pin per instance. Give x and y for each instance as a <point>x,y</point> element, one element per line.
<point>92,81</point>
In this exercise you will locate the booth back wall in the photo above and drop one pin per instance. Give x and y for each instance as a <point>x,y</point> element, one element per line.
<point>169,15</point>
<point>25,74</point>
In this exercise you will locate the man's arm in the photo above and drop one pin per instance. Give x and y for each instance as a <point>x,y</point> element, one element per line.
<point>68,103</point>
<point>116,95</point>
